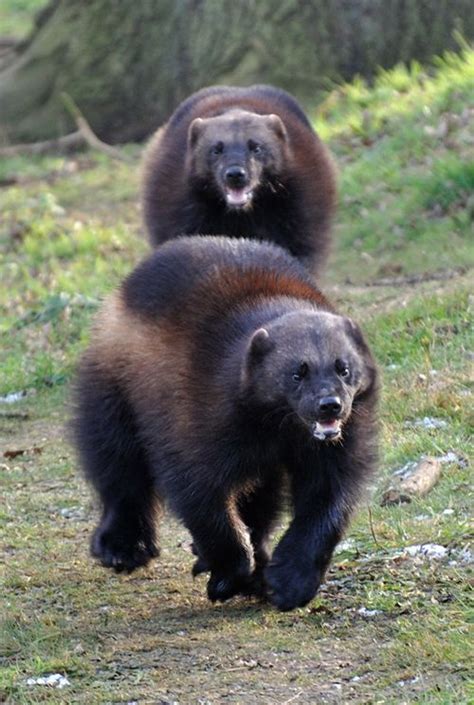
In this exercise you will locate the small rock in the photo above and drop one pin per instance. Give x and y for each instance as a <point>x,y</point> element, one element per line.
<point>410,681</point>
<point>427,550</point>
<point>427,422</point>
<point>13,397</point>
<point>72,513</point>
<point>346,545</point>
<point>364,612</point>
<point>465,555</point>
<point>450,457</point>
<point>54,680</point>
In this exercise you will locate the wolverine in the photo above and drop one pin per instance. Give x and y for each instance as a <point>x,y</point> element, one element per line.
<point>245,162</point>
<point>217,376</point>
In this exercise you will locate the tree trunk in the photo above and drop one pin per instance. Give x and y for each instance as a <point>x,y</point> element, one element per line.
<point>126,65</point>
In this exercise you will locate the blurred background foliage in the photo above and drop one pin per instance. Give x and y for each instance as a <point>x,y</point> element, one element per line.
<point>127,65</point>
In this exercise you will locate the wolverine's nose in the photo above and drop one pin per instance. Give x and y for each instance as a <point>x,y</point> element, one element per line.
<point>330,406</point>
<point>235,176</point>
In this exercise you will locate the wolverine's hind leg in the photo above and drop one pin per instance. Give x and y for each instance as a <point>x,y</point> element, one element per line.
<point>259,511</point>
<point>115,463</point>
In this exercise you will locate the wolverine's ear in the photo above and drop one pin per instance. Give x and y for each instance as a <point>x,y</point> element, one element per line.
<point>355,333</point>
<point>276,124</point>
<point>194,131</point>
<point>369,368</point>
<point>260,344</point>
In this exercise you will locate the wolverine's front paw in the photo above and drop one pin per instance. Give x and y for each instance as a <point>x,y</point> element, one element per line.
<point>200,566</point>
<point>291,585</point>
<point>223,586</point>
<point>255,586</point>
<point>121,555</point>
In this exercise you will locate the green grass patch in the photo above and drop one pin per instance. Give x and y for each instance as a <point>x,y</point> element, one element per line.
<point>405,148</point>
<point>451,186</point>
<point>16,16</point>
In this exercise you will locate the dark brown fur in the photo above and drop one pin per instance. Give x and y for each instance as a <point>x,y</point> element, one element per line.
<point>293,201</point>
<point>187,395</point>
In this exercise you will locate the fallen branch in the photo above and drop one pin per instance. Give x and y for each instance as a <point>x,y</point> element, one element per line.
<point>60,145</point>
<point>419,278</point>
<point>14,415</point>
<point>8,42</point>
<point>413,480</point>
<point>8,181</point>
<point>68,143</point>
<point>88,134</point>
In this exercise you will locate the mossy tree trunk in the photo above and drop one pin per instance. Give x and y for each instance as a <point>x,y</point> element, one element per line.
<point>126,65</point>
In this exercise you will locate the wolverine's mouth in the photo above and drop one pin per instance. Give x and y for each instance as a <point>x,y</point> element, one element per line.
<point>238,197</point>
<point>327,430</point>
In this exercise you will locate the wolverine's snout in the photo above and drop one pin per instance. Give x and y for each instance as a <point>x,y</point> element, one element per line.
<point>236,186</point>
<point>329,407</point>
<point>236,176</point>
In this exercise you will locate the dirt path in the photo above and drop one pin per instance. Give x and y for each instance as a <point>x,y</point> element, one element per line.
<point>386,628</point>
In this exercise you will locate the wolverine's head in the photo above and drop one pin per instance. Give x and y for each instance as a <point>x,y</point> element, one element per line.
<point>312,366</point>
<point>232,156</point>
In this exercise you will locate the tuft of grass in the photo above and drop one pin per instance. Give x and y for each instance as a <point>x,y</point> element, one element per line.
<point>451,187</point>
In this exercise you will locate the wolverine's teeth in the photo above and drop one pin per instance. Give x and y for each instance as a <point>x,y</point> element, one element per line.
<point>327,430</point>
<point>238,197</point>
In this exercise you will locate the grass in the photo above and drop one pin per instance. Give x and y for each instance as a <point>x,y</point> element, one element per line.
<point>16,16</point>
<point>406,157</point>
<point>69,231</point>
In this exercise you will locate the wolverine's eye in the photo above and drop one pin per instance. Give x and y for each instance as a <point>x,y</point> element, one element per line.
<point>254,147</point>
<point>218,148</point>
<point>342,368</point>
<point>301,372</point>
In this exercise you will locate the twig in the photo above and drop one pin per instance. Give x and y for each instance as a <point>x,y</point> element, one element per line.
<point>293,698</point>
<point>68,143</point>
<point>14,415</point>
<point>418,278</point>
<point>8,181</point>
<point>372,530</point>
<point>88,134</point>
<point>8,42</point>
